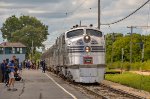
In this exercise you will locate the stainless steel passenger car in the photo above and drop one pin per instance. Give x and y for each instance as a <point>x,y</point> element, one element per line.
<point>78,55</point>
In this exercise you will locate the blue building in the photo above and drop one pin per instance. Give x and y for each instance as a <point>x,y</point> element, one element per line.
<point>8,49</point>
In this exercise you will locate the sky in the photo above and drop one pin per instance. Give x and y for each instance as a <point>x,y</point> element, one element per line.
<point>61,15</point>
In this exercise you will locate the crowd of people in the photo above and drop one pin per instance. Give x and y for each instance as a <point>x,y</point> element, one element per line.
<point>33,65</point>
<point>30,64</point>
<point>11,71</point>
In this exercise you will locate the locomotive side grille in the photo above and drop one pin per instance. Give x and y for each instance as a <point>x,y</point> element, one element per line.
<point>75,49</point>
<point>97,49</point>
<point>79,49</point>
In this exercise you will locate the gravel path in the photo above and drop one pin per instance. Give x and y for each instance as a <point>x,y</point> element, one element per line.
<point>128,89</point>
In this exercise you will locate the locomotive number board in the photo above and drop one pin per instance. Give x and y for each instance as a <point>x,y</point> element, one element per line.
<point>88,60</point>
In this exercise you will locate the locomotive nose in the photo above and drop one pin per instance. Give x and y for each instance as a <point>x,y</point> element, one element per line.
<point>87,38</point>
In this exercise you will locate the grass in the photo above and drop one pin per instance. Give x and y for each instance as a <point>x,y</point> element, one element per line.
<point>130,79</point>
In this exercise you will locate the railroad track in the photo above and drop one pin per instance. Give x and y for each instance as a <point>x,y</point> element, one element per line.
<point>130,95</point>
<point>102,91</point>
<point>105,92</point>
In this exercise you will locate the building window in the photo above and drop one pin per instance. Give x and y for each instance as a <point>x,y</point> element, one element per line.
<point>17,49</point>
<point>1,50</point>
<point>10,50</point>
<point>20,50</point>
<point>13,50</point>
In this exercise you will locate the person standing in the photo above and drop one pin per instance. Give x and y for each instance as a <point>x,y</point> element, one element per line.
<point>3,69</point>
<point>11,66</point>
<point>28,64</point>
<point>38,65</point>
<point>43,65</point>
<point>7,76</point>
<point>20,68</point>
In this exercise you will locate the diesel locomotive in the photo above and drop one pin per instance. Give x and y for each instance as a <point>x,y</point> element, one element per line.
<point>78,55</point>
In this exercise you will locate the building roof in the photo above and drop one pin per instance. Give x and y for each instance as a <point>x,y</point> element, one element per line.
<point>12,44</point>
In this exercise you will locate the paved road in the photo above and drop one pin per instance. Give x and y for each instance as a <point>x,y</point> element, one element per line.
<point>38,85</point>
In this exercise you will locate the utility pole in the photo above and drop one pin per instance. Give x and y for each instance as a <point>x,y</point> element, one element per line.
<point>131,27</point>
<point>112,49</point>
<point>3,49</point>
<point>99,12</point>
<point>80,22</point>
<point>142,59</point>
<point>131,42</point>
<point>122,59</point>
<point>32,51</point>
<point>4,44</point>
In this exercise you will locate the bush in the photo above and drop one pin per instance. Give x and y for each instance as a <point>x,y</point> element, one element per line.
<point>146,66</point>
<point>136,66</point>
<point>114,65</point>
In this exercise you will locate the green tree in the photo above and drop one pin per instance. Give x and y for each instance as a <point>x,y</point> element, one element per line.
<point>146,40</point>
<point>110,39</point>
<point>124,42</point>
<point>26,30</point>
<point>116,41</point>
<point>37,55</point>
<point>11,25</point>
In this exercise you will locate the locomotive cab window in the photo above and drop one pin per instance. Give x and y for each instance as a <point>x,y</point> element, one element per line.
<point>94,32</point>
<point>75,33</point>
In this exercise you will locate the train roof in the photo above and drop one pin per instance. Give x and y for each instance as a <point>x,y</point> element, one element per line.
<point>74,28</point>
<point>82,27</point>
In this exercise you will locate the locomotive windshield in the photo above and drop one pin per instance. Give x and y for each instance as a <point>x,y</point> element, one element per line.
<point>75,33</point>
<point>94,32</point>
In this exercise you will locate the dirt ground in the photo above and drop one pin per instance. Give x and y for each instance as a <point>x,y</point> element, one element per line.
<point>141,73</point>
<point>0,76</point>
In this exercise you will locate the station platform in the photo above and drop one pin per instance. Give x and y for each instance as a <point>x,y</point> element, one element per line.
<point>38,85</point>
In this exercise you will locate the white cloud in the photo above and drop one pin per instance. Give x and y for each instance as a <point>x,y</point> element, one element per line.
<point>53,13</point>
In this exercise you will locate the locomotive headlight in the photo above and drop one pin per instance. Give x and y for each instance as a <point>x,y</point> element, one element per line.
<point>87,39</point>
<point>87,49</point>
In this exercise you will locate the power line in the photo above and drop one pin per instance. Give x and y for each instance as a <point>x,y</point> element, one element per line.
<point>127,15</point>
<point>148,18</point>
<point>73,11</point>
<point>70,12</point>
<point>147,26</point>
